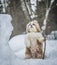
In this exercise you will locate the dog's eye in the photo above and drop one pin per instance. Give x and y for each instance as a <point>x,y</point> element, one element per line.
<point>33,24</point>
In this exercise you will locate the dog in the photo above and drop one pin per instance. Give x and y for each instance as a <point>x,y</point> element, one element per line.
<point>34,40</point>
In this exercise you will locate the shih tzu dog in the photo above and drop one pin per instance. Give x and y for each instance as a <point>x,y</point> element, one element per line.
<point>34,40</point>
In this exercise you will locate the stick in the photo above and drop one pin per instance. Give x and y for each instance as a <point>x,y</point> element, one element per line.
<point>44,46</point>
<point>44,34</point>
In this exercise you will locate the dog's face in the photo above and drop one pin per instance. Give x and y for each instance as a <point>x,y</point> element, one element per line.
<point>33,27</point>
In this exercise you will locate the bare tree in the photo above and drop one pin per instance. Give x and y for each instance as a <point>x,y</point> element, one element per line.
<point>29,7</point>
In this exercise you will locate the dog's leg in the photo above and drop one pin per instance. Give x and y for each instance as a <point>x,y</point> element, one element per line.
<point>28,53</point>
<point>40,54</point>
<point>39,50</point>
<point>33,52</point>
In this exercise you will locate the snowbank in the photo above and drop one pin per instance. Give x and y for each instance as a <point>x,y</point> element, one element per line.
<point>17,44</point>
<point>6,27</point>
<point>5,33</point>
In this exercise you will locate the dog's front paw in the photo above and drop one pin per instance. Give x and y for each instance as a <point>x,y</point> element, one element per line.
<point>27,56</point>
<point>27,53</point>
<point>40,56</point>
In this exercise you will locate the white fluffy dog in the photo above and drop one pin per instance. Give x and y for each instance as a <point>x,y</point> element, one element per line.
<point>34,40</point>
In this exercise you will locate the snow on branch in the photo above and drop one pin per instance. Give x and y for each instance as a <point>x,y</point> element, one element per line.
<point>25,9</point>
<point>29,8</point>
<point>33,7</point>
<point>4,4</point>
<point>46,15</point>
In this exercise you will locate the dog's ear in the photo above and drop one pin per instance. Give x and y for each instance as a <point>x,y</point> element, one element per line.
<point>37,26</point>
<point>27,30</point>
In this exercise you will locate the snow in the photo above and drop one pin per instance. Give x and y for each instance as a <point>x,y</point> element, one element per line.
<point>39,0</point>
<point>51,51</point>
<point>5,26</point>
<point>43,28</point>
<point>52,1</point>
<point>52,35</point>
<point>33,4</point>
<point>33,16</point>
<point>5,33</point>
<point>12,52</point>
<point>33,7</point>
<point>17,42</point>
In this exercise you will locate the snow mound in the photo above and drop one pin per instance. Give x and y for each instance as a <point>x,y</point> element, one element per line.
<point>17,44</point>
<point>6,27</point>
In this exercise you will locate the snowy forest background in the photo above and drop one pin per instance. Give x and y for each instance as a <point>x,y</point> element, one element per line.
<point>14,8</point>
<point>14,16</point>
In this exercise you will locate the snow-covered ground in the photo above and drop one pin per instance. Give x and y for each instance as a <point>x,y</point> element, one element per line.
<point>12,51</point>
<point>17,44</point>
<point>52,35</point>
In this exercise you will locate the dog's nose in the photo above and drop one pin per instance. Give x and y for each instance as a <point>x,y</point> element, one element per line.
<point>31,26</point>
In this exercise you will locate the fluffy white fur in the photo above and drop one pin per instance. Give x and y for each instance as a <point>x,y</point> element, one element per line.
<point>33,35</point>
<point>31,39</point>
<point>35,27</point>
